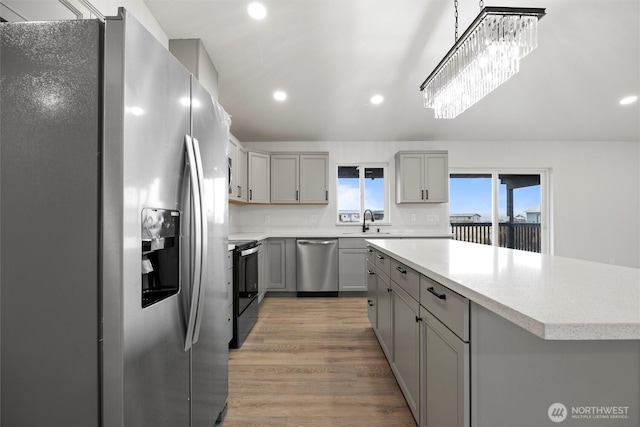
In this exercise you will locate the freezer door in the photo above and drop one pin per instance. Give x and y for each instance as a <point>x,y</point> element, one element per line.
<point>210,353</point>
<point>147,115</point>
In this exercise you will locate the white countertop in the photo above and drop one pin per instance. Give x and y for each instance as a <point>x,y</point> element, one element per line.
<point>555,298</point>
<point>309,234</point>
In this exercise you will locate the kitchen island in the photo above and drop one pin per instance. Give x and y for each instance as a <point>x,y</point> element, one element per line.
<point>506,337</point>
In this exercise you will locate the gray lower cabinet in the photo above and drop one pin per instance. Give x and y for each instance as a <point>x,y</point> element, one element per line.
<point>263,272</point>
<point>445,375</point>
<point>372,295</point>
<point>406,346</point>
<point>281,265</point>
<point>384,331</point>
<point>352,255</point>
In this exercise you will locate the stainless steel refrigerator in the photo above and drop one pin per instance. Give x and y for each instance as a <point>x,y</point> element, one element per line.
<point>113,229</point>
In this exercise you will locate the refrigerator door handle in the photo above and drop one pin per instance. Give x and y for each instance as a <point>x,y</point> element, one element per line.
<point>204,247</point>
<point>197,240</point>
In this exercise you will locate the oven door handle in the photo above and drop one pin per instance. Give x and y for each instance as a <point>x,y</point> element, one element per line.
<point>250,251</point>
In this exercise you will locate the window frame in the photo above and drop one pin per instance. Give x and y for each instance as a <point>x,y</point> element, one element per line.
<point>386,192</point>
<point>546,225</point>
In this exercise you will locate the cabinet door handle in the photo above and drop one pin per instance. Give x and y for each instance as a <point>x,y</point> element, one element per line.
<point>326,195</point>
<point>421,194</point>
<point>239,191</point>
<point>426,194</point>
<point>401,270</point>
<point>441,296</point>
<point>380,256</point>
<point>418,319</point>
<point>388,289</point>
<point>370,303</point>
<point>369,250</point>
<point>370,272</point>
<point>250,194</point>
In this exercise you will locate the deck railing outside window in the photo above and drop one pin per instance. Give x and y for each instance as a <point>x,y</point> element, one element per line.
<point>524,235</point>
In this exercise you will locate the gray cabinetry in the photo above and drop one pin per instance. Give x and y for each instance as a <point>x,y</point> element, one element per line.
<point>263,272</point>
<point>445,375</point>
<point>237,172</point>
<point>259,175</point>
<point>406,346</point>
<point>384,331</point>
<point>285,178</point>
<point>422,177</point>
<point>372,295</point>
<point>352,257</point>
<point>299,178</point>
<point>281,265</point>
<point>277,266</point>
<point>445,392</point>
<point>314,178</point>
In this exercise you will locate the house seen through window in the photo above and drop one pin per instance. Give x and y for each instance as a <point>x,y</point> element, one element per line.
<point>362,187</point>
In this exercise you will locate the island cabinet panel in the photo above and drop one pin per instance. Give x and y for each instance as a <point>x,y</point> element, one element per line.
<point>383,263</point>
<point>451,308</point>
<point>445,393</point>
<point>500,352</point>
<point>384,331</point>
<point>596,381</point>
<point>372,295</point>
<point>406,346</point>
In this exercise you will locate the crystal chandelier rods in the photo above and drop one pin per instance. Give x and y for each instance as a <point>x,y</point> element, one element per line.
<point>487,54</point>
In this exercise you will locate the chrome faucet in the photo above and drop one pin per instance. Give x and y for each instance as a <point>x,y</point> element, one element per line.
<point>365,227</point>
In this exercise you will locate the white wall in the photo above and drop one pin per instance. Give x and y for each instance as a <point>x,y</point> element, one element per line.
<point>595,191</point>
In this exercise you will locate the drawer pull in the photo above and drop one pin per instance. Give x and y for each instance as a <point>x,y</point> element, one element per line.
<point>418,319</point>
<point>370,303</point>
<point>388,289</point>
<point>441,296</point>
<point>401,270</point>
<point>371,272</point>
<point>380,256</point>
<point>369,250</point>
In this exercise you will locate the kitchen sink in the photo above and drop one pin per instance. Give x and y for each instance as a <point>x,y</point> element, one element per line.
<point>360,233</point>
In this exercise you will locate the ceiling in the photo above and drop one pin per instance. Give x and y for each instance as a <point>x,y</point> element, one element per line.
<point>331,56</point>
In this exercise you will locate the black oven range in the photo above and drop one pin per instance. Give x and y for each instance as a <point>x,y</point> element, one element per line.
<point>245,289</point>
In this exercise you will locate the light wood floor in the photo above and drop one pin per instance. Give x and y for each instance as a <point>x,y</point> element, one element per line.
<point>313,362</point>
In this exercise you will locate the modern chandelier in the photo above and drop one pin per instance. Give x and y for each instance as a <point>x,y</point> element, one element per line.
<point>486,55</point>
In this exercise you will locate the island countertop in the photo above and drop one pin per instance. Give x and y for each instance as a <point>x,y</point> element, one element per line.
<point>553,297</point>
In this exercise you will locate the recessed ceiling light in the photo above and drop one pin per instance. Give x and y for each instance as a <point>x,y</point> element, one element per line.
<point>257,10</point>
<point>628,100</point>
<point>377,99</point>
<point>279,95</point>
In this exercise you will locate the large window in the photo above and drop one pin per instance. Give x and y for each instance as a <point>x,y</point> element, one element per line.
<point>501,209</point>
<point>362,187</point>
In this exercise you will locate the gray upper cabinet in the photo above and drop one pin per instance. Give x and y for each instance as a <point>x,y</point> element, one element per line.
<point>259,177</point>
<point>285,178</point>
<point>422,177</point>
<point>314,178</point>
<point>237,172</point>
<point>299,178</point>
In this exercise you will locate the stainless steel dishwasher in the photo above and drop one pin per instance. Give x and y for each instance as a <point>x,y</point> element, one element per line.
<point>317,267</point>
